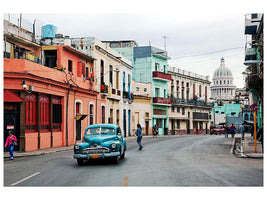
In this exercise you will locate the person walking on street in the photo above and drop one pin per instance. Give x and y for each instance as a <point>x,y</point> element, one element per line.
<point>232,130</point>
<point>139,136</point>
<point>226,131</point>
<point>11,142</point>
<point>242,131</point>
<point>155,130</point>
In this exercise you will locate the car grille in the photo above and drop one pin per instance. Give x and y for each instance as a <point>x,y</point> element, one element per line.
<point>95,150</point>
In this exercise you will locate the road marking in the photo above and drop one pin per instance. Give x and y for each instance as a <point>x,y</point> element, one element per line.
<point>125,183</point>
<point>28,177</point>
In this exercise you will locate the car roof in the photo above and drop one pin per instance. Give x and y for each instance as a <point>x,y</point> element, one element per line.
<point>103,125</point>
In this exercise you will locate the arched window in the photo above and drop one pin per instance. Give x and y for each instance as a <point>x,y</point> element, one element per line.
<point>223,82</point>
<point>246,116</point>
<point>91,114</point>
<point>220,82</point>
<point>103,114</point>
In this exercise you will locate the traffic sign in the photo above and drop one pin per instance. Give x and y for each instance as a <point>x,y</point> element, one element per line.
<point>254,107</point>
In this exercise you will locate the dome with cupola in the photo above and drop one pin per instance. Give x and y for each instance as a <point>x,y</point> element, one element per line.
<point>222,83</point>
<point>222,71</point>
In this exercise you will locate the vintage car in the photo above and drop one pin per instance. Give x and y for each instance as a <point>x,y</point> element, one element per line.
<point>101,141</point>
<point>218,129</point>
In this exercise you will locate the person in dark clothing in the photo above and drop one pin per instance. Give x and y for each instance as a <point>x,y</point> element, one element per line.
<point>139,136</point>
<point>155,130</point>
<point>259,136</point>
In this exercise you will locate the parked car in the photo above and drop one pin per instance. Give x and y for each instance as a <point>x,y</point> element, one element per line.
<point>218,129</point>
<point>101,141</point>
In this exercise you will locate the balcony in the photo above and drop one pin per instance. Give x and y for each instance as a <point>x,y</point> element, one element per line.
<point>162,101</point>
<point>250,56</point>
<point>161,76</point>
<point>191,102</point>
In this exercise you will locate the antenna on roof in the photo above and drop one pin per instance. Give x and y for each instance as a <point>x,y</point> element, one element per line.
<point>164,37</point>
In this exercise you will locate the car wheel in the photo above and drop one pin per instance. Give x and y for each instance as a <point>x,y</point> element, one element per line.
<point>116,160</point>
<point>80,162</point>
<point>123,155</point>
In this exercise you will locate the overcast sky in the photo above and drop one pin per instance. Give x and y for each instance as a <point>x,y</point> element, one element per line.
<point>186,37</point>
<point>191,29</point>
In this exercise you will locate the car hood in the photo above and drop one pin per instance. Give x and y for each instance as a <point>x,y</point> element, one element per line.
<point>100,139</point>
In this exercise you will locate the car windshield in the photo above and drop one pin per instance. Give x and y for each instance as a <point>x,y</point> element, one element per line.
<point>100,130</point>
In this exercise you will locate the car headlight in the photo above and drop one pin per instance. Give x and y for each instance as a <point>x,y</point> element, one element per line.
<point>76,147</point>
<point>113,146</point>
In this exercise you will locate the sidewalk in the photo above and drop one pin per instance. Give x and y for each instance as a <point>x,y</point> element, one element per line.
<point>246,148</point>
<point>18,154</point>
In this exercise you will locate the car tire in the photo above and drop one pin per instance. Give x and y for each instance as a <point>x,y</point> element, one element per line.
<point>116,159</point>
<point>123,155</point>
<point>80,162</point>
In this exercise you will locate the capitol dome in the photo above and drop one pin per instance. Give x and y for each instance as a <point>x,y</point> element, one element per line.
<point>222,86</point>
<point>222,71</point>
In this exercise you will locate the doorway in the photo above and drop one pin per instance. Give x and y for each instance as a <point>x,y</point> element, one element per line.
<point>11,122</point>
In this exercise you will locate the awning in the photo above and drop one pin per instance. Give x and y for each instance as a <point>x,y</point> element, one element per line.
<point>80,116</point>
<point>11,97</point>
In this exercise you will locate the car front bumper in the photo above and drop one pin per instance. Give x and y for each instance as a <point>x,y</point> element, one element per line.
<point>93,156</point>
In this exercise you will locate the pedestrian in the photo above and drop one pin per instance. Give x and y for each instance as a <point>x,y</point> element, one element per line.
<point>139,136</point>
<point>259,136</point>
<point>226,131</point>
<point>242,131</point>
<point>11,142</point>
<point>155,130</point>
<point>232,130</point>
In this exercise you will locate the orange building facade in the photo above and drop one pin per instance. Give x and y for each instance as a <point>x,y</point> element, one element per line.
<point>49,94</point>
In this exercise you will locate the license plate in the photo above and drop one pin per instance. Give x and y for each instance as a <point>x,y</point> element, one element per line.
<point>94,156</point>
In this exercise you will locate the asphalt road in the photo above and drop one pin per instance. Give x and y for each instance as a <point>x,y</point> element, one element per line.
<point>202,160</point>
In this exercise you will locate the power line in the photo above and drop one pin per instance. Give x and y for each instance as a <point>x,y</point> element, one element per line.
<point>207,53</point>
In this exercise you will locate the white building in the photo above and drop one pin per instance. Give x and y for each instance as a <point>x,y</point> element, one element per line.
<point>222,83</point>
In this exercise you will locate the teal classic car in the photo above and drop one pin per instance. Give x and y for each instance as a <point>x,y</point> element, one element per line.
<point>101,141</point>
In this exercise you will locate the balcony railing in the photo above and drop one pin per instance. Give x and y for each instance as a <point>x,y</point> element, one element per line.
<point>192,102</point>
<point>161,75</point>
<point>161,100</point>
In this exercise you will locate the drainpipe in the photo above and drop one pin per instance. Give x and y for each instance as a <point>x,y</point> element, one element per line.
<point>67,115</point>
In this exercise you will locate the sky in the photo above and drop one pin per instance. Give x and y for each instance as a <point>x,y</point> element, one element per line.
<point>186,37</point>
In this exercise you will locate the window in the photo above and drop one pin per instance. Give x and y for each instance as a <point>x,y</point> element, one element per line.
<point>111,116</point>
<point>145,89</point>
<point>57,113</point>
<point>70,65</point>
<point>110,74</point>
<point>30,112</point>
<point>102,72</point>
<point>172,108</point>
<point>86,72</point>
<point>118,117</point>
<point>44,112</point>
<point>78,105</point>
<point>137,89</point>
<point>103,114</point>
<point>156,92</point>
<point>147,115</point>
<point>178,109</point>
<point>114,45</point>
<point>156,66</point>
<point>200,90</point>
<point>183,112</point>
<point>91,114</point>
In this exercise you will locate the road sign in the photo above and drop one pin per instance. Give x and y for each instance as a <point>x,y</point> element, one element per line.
<point>254,107</point>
